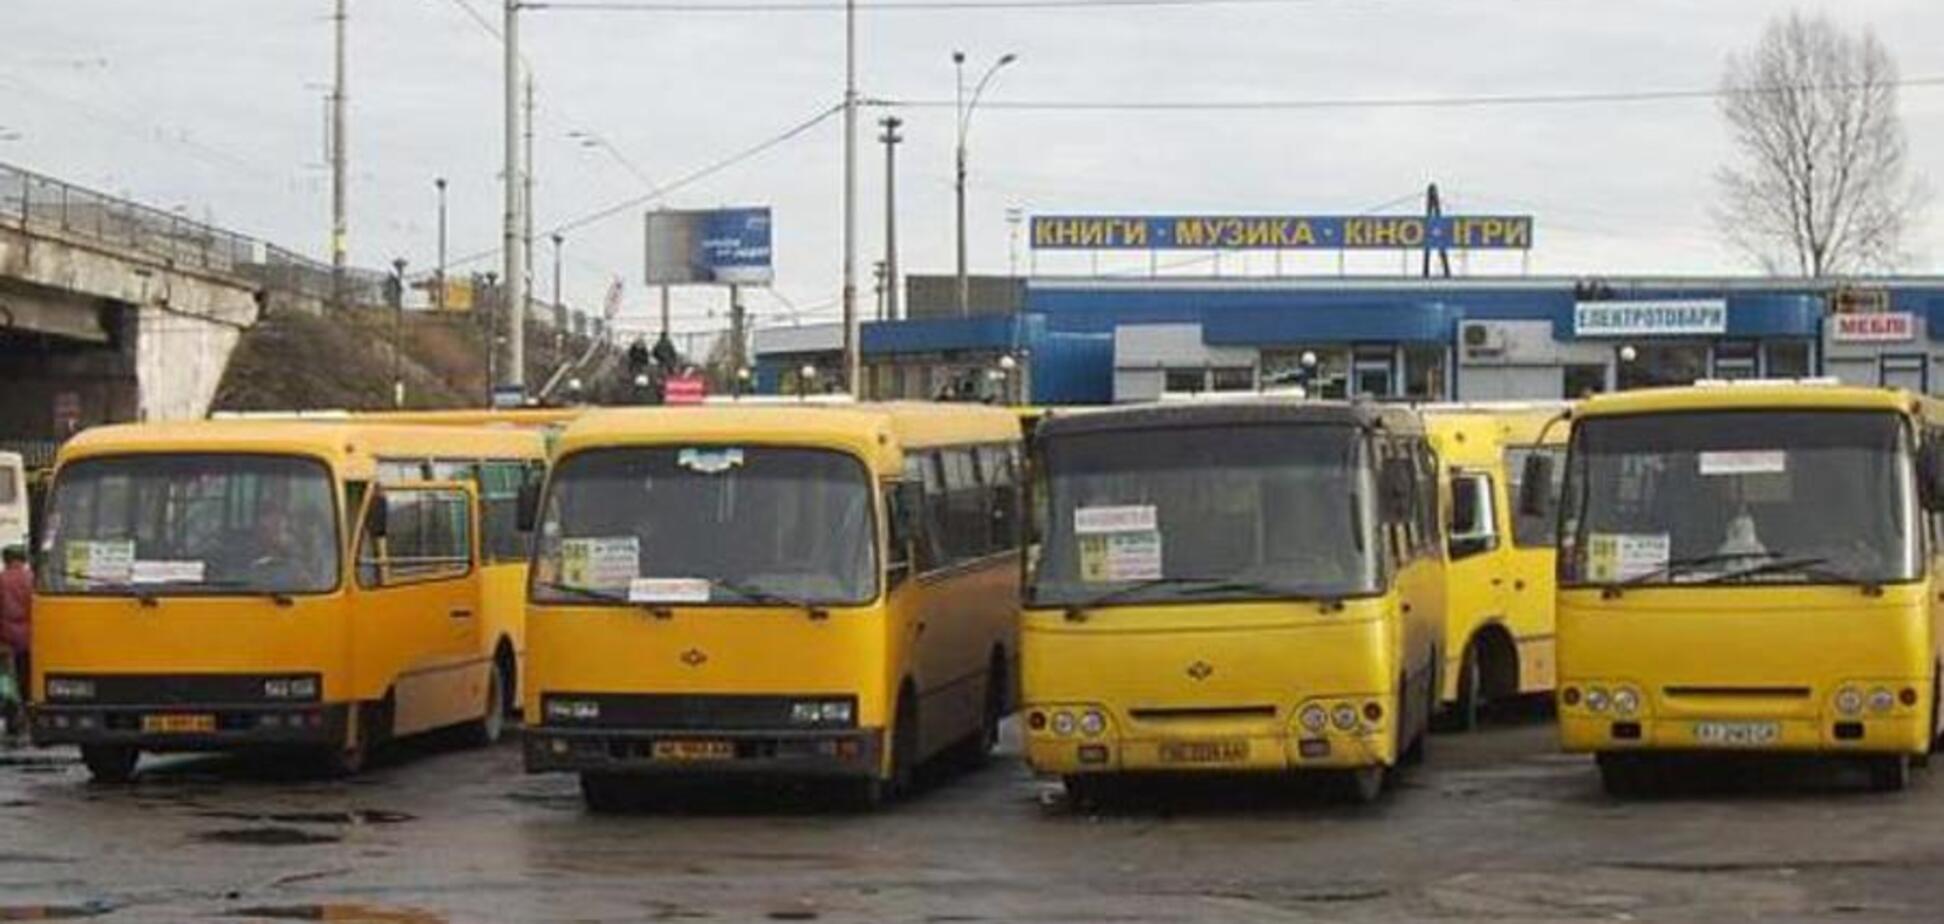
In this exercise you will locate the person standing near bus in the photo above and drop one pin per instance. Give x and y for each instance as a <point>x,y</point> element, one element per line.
<point>16,620</point>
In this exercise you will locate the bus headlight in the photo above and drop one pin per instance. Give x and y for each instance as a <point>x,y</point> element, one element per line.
<point>1596,699</point>
<point>1092,723</point>
<point>1344,716</point>
<point>1314,718</point>
<point>70,688</point>
<point>1849,701</point>
<point>1881,700</point>
<point>1063,723</point>
<point>1626,701</point>
<point>572,710</point>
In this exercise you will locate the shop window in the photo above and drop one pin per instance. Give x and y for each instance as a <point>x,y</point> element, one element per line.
<point>1189,381</point>
<point>1662,364</point>
<point>1735,359</point>
<point>1424,373</point>
<point>1788,359</point>
<point>1238,378</point>
<point>1582,379</point>
<point>1329,378</point>
<point>1905,372</point>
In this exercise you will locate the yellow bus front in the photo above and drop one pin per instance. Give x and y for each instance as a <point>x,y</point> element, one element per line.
<point>711,608</point>
<point>192,600</point>
<point>1233,595</point>
<point>1746,579</point>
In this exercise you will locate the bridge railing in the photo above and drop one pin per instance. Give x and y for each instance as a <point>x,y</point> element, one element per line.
<point>39,202</point>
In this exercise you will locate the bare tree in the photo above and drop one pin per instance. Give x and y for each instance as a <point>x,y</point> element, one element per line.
<point>1820,184</point>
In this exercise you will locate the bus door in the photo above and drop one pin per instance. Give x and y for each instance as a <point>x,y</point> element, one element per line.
<point>416,619</point>
<point>1479,550</point>
<point>1529,571</point>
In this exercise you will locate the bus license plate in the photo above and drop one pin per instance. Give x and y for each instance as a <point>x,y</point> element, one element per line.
<point>179,723</point>
<point>1737,734</point>
<point>694,750</point>
<point>1204,752</point>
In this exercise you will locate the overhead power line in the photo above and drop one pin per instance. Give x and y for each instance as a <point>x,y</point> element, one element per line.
<point>897,6</point>
<point>685,180</point>
<point>1400,102</point>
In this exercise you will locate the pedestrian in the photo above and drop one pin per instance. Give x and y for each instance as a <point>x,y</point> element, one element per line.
<point>16,622</point>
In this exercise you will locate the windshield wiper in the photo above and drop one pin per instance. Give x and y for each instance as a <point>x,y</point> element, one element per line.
<point>755,594</point>
<point>1077,610</point>
<point>1678,566</point>
<point>1808,566</point>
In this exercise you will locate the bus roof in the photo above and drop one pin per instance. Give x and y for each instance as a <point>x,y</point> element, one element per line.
<point>876,431</point>
<point>1759,395</point>
<point>1213,413</point>
<point>460,417</point>
<point>350,445</point>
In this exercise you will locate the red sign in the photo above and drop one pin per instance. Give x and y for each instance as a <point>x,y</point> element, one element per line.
<point>684,389</point>
<point>1875,327</point>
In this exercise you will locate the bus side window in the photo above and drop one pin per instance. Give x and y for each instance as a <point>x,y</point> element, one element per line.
<point>968,517</point>
<point>426,535</point>
<point>901,502</point>
<point>1472,528</point>
<point>1002,480</point>
<point>499,510</point>
<point>921,469</point>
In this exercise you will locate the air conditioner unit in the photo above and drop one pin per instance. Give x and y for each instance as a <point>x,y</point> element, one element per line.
<point>1481,339</point>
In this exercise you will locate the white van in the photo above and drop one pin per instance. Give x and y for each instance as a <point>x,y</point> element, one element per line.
<point>13,500</point>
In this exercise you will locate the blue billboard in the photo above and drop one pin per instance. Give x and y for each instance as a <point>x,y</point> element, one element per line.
<point>709,247</point>
<point>1281,232</point>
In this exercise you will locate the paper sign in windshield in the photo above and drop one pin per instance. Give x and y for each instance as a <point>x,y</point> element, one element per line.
<point>166,572</point>
<point>600,562</point>
<point>709,461</point>
<point>1089,521</point>
<point>668,590</point>
<point>1745,462</point>
<point>1612,557</point>
<point>107,560</point>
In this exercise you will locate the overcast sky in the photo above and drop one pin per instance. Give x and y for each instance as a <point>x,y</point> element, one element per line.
<point>217,107</point>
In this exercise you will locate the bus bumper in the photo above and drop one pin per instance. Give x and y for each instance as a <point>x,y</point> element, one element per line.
<point>177,727</point>
<point>1894,734</point>
<point>837,754</point>
<point>1274,746</point>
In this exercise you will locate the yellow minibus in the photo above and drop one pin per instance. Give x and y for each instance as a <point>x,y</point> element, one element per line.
<point>811,591</point>
<point>1245,585</point>
<point>1499,640</point>
<point>1746,568</point>
<point>243,585</point>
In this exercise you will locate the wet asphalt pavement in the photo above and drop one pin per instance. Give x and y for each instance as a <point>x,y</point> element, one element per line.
<point>1497,826</point>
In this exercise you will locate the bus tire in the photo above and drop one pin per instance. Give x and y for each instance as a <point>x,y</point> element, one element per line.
<point>1084,791</point>
<point>607,793</point>
<point>1623,776</point>
<point>1363,785</point>
<point>110,764</point>
<point>1889,772</point>
<point>486,730</point>
<point>985,739</point>
<point>904,746</point>
<point>1462,714</point>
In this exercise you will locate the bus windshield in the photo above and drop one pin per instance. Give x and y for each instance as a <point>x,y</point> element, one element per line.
<point>707,524</point>
<point>1805,497</point>
<point>1230,512</point>
<point>192,523</point>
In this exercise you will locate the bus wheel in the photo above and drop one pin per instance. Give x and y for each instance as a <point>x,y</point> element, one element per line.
<point>1462,714</point>
<point>1623,775</point>
<point>110,763</point>
<point>978,748</point>
<point>1412,752</point>
<point>486,730</point>
<point>904,746</point>
<point>1361,786</point>
<point>607,793</point>
<point>1889,773</point>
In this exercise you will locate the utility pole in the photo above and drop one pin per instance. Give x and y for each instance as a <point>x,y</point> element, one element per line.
<point>514,277</point>
<point>737,323</point>
<point>398,332</point>
<point>1014,215</point>
<point>526,195</point>
<point>853,360</point>
<point>559,307</point>
<point>339,243</point>
<point>891,138</point>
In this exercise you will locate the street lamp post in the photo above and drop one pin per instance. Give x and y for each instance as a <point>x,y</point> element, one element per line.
<point>965,109</point>
<point>439,277</point>
<point>743,375</point>
<point>559,307</point>
<point>398,332</point>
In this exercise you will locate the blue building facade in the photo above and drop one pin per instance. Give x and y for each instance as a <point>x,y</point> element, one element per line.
<point>1095,341</point>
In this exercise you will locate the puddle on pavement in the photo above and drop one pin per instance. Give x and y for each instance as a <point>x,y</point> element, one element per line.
<point>344,913</point>
<point>353,817</point>
<point>267,837</point>
<point>54,912</point>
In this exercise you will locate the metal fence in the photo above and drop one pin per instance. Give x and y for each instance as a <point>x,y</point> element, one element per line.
<point>43,203</point>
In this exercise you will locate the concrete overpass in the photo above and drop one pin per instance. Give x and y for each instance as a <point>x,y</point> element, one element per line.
<point>114,311</point>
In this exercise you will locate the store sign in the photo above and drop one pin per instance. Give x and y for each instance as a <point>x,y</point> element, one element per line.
<point>1658,318</point>
<point>1282,232</point>
<point>1877,327</point>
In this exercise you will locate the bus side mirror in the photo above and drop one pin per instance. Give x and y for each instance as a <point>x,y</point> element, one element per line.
<point>1930,476</point>
<point>1399,477</point>
<point>527,513</point>
<point>378,516</point>
<point>1535,485</point>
